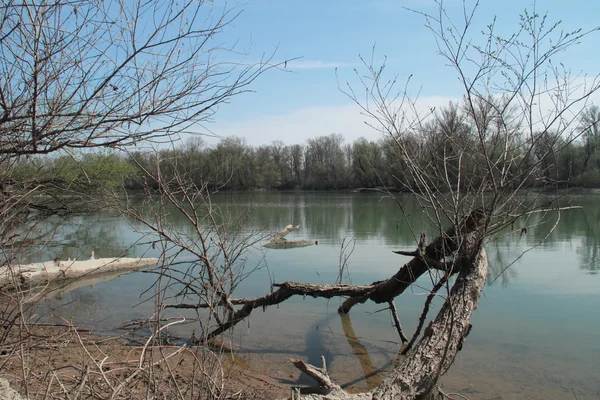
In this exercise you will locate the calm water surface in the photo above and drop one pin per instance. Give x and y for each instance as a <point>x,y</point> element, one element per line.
<point>535,334</point>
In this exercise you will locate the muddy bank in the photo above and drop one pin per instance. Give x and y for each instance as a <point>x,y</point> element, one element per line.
<point>53,361</point>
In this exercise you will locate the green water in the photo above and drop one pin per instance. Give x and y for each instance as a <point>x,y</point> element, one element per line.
<point>535,334</point>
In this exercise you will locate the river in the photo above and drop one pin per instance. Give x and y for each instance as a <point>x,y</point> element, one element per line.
<point>535,333</point>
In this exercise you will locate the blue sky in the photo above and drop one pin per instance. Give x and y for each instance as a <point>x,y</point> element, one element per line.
<point>303,101</point>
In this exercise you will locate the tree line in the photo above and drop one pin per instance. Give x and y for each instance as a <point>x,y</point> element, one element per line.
<point>328,162</point>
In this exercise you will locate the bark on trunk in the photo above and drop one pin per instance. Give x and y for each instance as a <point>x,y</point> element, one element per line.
<point>417,376</point>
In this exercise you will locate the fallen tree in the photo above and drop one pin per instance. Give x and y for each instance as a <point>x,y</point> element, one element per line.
<point>417,374</point>
<point>278,240</point>
<point>465,165</point>
<point>471,167</point>
<point>425,259</point>
<point>58,272</point>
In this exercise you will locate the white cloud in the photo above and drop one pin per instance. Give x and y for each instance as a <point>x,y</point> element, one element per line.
<point>296,126</point>
<point>299,125</point>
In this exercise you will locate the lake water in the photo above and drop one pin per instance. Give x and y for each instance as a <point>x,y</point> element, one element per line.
<point>536,333</point>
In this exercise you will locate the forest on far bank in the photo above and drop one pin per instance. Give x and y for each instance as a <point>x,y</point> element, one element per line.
<point>328,162</point>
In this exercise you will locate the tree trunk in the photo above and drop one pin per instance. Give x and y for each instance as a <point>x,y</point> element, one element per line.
<point>416,377</point>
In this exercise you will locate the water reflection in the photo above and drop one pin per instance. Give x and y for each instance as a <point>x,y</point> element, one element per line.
<point>328,218</point>
<point>359,366</point>
<point>589,250</point>
<point>57,289</point>
<point>541,299</point>
<point>75,237</point>
<point>499,265</point>
<point>78,306</point>
<point>372,375</point>
<point>577,227</point>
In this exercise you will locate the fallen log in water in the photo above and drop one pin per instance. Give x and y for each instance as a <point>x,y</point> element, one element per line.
<point>282,233</point>
<point>39,274</point>
<point>278,240</point>
<point>290,244</point>
<point>417,375</point>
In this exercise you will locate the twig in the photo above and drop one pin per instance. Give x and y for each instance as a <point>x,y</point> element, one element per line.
<point>397,321</point>
<point>84,379</point>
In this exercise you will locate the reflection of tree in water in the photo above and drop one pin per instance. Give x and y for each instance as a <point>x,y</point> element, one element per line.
<point>76,236</point>
<point>589,254</point>
<point>581,227</point>
<point>330,216</point>
<point>80,307</point>
<point>589,250</point>
<point>578,226</point>
<point>372,375</point>
<point>320,341</point>
<point>499,264</point>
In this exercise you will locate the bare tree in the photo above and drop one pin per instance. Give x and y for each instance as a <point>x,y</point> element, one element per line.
<point>205,262</point>
<point>590,124</point>
<point>104,74</point>
<point>84,74</point>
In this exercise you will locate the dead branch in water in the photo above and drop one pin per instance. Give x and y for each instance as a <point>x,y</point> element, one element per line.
<point>278,240</point>
<point>378,292</point>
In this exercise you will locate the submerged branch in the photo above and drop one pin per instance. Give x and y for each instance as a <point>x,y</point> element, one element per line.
<point>430,297</point>
<point>397,321</point>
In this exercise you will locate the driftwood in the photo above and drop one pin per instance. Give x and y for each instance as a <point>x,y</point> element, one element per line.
<point>290,244</point>
<point>278,240</point>
<point>282,233</point>
<point>57,288</point>
<point>59,272</point>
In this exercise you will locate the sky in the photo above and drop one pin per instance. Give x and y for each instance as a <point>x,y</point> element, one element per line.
<point>327,39</point>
